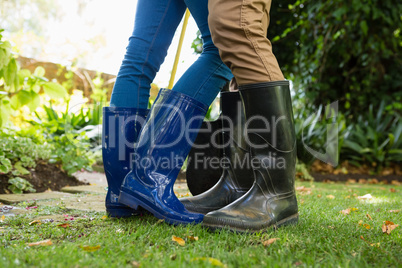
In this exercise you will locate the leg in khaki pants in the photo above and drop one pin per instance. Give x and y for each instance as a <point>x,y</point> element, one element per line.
<point>239,29</point>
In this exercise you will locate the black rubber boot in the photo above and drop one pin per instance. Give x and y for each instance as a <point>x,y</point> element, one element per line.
<point>271,201</point>
<point>237,177</point>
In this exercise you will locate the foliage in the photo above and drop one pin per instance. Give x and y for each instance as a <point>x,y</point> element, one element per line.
<point>302,173</point>
<point>21,151</point>
<point>19,88</point>
<point>347,51</point>
<point>376,139</point>
<point>19,185</point>
<point>72,151</point>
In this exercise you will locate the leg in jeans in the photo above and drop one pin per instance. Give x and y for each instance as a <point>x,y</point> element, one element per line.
<point>155,24</point>
<point>171,128</point>
<point>207,76</point>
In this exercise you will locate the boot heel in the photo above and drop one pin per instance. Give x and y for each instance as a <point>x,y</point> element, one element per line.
<point>294,219</point>
<point>128,200</point>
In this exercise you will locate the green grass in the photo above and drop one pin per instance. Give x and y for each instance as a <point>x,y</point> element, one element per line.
<point>323,238</point>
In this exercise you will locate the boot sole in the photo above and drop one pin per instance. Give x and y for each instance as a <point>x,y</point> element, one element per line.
<point>136,203</point>
<point>122,212</point>
<point>292,220</point>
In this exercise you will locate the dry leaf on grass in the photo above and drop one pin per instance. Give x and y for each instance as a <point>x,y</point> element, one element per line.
<point>392,190</point>
<point>179,240</point>
<point>90,248</point>
<point>35,222</point>
<point>64,225</point>
<point>388,226</point>
<point>348,210</point>
<point>364,225</point>
<point>104,217</point>
<point>345,211</point>
<point>41,243</point>
<point>2,218</point>
<point>368,216</point>
<point>303,190</point>
<point>395,211</point>
<point>212,261</point>
<point>330,196</point>
<point>269,241</point>
<point>365,197</point>
<point>192,238</point>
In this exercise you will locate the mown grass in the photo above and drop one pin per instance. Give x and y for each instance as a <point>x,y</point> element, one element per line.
<point>323,238</point>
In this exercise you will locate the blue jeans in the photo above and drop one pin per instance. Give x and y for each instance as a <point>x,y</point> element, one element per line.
<point>155,24</point>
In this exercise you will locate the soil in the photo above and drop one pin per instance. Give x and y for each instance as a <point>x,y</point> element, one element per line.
<point>360,178</point>
<point>45,176</point>
<point>346,172</point>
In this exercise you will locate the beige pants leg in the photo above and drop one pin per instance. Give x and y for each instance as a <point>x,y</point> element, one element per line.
<point>239,30</point>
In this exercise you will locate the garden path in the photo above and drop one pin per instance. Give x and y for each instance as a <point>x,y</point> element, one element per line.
<point>85,197</point>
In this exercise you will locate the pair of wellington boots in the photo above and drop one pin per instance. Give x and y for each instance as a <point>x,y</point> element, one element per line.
<point>241,201</point>
<point>256,189</point>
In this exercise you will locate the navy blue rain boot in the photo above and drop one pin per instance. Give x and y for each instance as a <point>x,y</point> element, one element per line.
<point>163,145</point>
<point>120,130</point>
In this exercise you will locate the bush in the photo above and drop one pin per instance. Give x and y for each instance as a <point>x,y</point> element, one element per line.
<point>347,51</point>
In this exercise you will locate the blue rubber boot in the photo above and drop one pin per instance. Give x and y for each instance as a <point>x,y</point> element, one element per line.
<point>163,145</point>
<point>120,130</point>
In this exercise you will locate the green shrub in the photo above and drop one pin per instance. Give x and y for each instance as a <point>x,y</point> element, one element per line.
<point>375,140</point>
<point>19,185</point>
<point>347,51</point>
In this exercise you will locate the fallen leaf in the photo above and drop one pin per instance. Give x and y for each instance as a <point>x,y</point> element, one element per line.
<point>104,217</point>
<point>269,242</point>
<point>330,196</point>
<point>368,216</point>
<point>35,222</point>
<point>345,211</point>
<point>90,248</point>
<point>135,264</point>
<point>365,197</point>
<point>367,226</point>
<point>179,240</point>
<point>375,245</point>
<point>392,190</point>
<point>64,225</point>
<point>303,190</point>
<point>173,257</point>
<point>212,261</point>
<point>41,243</point>
<point>351,181</point>
<point>3,218</point>
<point>192,238</point>
<point>395,182</point>
<point>395,211</point>
<point>319,196</point>
<point>388,226</point>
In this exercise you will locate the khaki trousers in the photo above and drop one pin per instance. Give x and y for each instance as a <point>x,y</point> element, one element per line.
<point>239,30</point>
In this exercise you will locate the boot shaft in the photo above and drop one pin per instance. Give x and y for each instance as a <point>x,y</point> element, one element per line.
<point>235,150</point>
<point>168,134</point>
<point>271,135</point>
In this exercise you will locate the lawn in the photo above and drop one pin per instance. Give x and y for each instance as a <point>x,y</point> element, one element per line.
<point>324,237</point>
